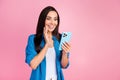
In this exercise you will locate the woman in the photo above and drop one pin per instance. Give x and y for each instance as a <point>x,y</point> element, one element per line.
<point>42,50</point>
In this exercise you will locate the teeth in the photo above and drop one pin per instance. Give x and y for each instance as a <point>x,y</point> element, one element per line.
<point>51,26</point>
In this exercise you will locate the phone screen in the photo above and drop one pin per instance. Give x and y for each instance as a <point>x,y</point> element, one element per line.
<point>66,36</point>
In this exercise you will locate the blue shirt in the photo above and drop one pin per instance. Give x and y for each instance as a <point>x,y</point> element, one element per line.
<point>40,72</point>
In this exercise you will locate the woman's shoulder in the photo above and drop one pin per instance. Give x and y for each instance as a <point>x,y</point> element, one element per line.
<point>31,37</point>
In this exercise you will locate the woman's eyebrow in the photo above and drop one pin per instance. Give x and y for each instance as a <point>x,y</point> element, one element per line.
<point>50,16</point>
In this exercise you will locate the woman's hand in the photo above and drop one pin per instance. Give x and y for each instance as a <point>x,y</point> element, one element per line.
<point>48,37</point>
<point>66,48</point>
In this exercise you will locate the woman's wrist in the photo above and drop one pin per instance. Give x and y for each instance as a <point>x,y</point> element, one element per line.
<point>46,45</point>
<point>65,54</point>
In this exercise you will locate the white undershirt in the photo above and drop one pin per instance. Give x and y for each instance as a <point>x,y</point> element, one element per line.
<point>51,64</point>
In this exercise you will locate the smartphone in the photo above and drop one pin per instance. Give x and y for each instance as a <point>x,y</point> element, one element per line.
<point>66,36</point>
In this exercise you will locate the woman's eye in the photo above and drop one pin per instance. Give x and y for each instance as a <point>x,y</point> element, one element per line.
<point>55,19</point>
<point>48,18</point>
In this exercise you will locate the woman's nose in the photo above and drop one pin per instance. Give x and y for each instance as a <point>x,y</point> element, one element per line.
<point>52,22</point>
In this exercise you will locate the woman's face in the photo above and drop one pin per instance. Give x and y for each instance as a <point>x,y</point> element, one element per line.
<point>51,21</point>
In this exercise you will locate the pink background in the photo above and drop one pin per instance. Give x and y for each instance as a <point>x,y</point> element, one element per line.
<point>95,25</point>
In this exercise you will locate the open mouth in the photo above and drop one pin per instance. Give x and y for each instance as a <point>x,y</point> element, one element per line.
<point>50,27</point>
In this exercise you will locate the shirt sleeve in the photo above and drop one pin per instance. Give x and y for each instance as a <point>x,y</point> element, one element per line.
<point>30,50</point>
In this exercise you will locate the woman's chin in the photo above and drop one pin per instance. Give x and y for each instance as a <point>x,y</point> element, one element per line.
<point>51,30</point>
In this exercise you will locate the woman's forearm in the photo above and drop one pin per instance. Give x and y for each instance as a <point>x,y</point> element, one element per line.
<point>39,57</point>
<point>64,60</point>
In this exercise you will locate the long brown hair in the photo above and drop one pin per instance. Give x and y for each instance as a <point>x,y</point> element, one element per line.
<point>41,24</point>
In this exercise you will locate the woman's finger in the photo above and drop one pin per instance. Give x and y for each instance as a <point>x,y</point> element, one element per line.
<point>67,45</point>
<point>65,48</point>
